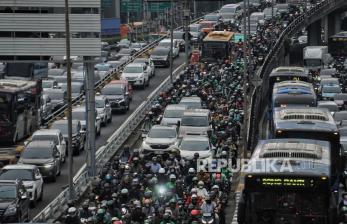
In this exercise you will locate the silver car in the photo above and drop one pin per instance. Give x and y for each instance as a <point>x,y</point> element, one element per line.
<point>173,114</point>
<point>195,122</point>
<point>196,144</point>
<point>192,102</point>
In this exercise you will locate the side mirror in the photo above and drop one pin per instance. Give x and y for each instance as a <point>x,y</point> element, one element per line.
<point>108,105</point>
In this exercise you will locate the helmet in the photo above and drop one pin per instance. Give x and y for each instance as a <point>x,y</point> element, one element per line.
<point>193,191</point>
<point>172,176</point>
<point>101,211</point>
<point>194,196</point>
<point>72,211</point>
<point>161,170</point>
<point>147,201</point>
<point>124,191</point>
<point>85,204</point>
<point>195,212</point>
<point>195,178</point>
<point>191,170</point>
<point>201,183</point>
<point>215,187</point>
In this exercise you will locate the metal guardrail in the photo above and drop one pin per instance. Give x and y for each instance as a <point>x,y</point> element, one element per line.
<point>82,180</point>
<point>271,61</point>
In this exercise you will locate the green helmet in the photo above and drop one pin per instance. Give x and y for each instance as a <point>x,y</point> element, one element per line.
<point>101,211</point>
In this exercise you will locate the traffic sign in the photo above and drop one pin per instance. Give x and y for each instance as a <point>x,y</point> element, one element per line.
<point>131,5</point>
<point>158,6</point>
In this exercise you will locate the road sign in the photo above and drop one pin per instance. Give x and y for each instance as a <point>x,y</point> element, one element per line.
<point>131,5</point>
<point>158,6</point>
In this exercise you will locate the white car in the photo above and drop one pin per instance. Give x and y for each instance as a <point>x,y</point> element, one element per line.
<point>172,114</point>
<point>136,74</point>
<point>149,63</point>
<point>159,140</point>
<point>31,177</point>
<point>103,108</point>
<point>167,43</point>
<point>190,145</point>
<point>54,135</point>
<point>79,113</point>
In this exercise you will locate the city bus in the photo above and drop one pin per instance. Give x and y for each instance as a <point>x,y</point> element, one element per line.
<point>26,71</point>
<point>288,181</point>
<point>287,73</point>
<point>293,93</point>
<point>337,44</point>
<point>308,123</point>
<point>217,46</point>
<point>19,109</point>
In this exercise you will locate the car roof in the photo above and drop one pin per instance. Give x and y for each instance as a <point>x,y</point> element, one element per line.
<point>9,182</point>
<point>176,107</point>
<point>40,144</point>
<point>135,65</point>
<point>46,132</point>
<point>163,127</point>
<point>19,167</point>
<point>65,121</point>
<point>162,49</point>
<point>121,81</point>
<point>80,108</point>
<point>190,98</point>
<point>196,112</point>
<point>231,6</point>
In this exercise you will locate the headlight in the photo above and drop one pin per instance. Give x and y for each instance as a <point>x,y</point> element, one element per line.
<point>11,210</point>
<point>48,165</point>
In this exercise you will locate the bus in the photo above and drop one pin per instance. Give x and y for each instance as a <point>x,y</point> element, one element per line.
<point>26,71</point>
<point>293,93</point>
<point>217,46</point>
<point>19,109</point>
<point>295,189</point>
<point>308,123</point>
<point>287,73</point>
<point>337,44</point>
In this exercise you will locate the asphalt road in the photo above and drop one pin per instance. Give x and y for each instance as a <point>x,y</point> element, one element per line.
<point>51,190</point>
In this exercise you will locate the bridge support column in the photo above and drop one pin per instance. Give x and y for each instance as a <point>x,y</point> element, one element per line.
<point>314,33</point>
<point>332,25</point>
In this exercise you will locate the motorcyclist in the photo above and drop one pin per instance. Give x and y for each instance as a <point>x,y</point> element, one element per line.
<point>137,215</point>
<point>167,219</point>
<point>84,211</point>
<point>155,166</point>
<point>72,216</point>
<point>148,209</point>
<point>201,191</point>
<point>188,180</point>
<point>102,217</point>
<point>209,206</point>
<point>171,185</point>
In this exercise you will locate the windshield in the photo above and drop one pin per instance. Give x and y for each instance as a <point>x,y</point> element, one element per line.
<point>177,35</point>
<point>114,90</point>
<point>162,133</point>
<point>47,84</point>
<point>124,41</point>
<point>56,95</point>
<point>282,6</point>
<point>331,89</point>
<point>125,51</point>
<point>194,28</point>
<point>228,10</point>
<point>79,115</point>
<point>173,113</point>
<point>8,192</point>
<point>160,52</point>
<point>103,68</point>
<point>192,104</point>
<point>55,72</point>
<point>46,138</point>
<point>35,153</point>
<point>100,103</point>
<point>191,145</point>
<point>64,128</point>
<point>338,116</point>
<point>74,88</point>
<point>343,132</point>
<point>5,105</point>
<point>312,62</point>
<point>164,44</point>
<point>14,174</point>
<point>133,70</point>
<point>211,18</point>
<point>136,45</point>
<point>195,121</point>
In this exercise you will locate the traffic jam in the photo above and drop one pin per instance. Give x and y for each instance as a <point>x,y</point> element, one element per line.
<point>166,178</point>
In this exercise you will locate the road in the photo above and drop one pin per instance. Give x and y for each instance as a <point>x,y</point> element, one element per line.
<point>51,190</point>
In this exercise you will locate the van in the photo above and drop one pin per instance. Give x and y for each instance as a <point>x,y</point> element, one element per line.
<point>195,122</point>
<point>314,57</point>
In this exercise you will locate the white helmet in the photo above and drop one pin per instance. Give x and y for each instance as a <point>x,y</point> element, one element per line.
<point>162,171</point>
<point>191,170</point>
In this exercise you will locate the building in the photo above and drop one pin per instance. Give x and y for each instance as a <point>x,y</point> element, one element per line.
<point>35,29</point>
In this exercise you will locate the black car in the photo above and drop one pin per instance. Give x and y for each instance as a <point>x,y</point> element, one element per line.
<point>118,97</point>
<point>45,155</point>
<point>160,56</point>
<point>78,135</point>
<point>14,202</point>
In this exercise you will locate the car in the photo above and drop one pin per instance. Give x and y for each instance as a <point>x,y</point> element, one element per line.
<point>30,176</point>
<point>328,72</point>
<point>115,64</point>
<point>160,56</point>
<point>189,145</point>
<point>282,8</point>
<point>125,52</point>
<point>117,96</point>
<point>195,31</point>
<point>45,155</point>
<point>103,107</point>
<point>149,63</point>
<point>329,91</point>
<point>215,18</point>
<point>269,12</point>
<point>77,88</point>
<point>179,36</point>
<point>257,18</point>
<point>330,105</point>
<point>124,43</point>
<point>137,46</point>
<point>49,84</point>
<point>57,96</point>
<point>230,12</point>
<point>125,58</point>
<point>54,135</point>
<point>46,106</point>
<point>128,87</point>
<point>191,102</point>
<point>173,114</point>
<point>79,76</point>
<point>56,72</point>
<point>339,117</point>
<point>207,26</point>
<point>15,202</point>
<point>103,69</point>
<point>167,43</point>
<point>195,122</point>
<point>136,74</point>
<point>78,135</point>
<point>159,139</point>
<point>60,79</point>
<point>79,113</point>
<point>343,139</point>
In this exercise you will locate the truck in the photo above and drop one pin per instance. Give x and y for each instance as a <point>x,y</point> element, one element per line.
<point>314,57</point>
<point>25,71</point>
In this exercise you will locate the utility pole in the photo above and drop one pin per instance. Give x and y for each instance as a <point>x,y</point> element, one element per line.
<point>91,116</point>
<point>272,10</point>
<point>171,39</point>
<point>186,14</point>
<point>69,103</point>
<point>195,10</point>
<point>245,79</point>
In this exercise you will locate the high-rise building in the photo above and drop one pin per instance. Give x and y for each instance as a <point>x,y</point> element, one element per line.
<point>35,29</point>
<point>110,17</point>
